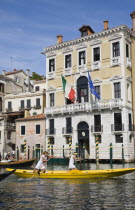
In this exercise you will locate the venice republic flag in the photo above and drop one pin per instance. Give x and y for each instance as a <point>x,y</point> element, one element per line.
<point>68,90</point>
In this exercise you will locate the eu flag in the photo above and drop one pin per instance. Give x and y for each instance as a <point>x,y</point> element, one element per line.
<point>92,89</point>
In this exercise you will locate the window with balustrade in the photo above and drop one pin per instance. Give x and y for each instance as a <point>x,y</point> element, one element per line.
<point>82,58</point>
<point>82,89</point>
<point>117,90</point>
<point>116,49</point>
<point>51,65</point>
<point>68,61</point>
<point>96,54</point>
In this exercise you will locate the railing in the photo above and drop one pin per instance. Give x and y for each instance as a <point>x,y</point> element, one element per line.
<point>37,107</point>
<point>96,65</point>
<point>51,75</point>
<point>117,128</point>
<point>24,108</point>
<point>96,128</point>
<point>50,131</point>
<point>67,130</point>
<point>10,126</point>
<point>115,61</point>
<point>68,71</point>
<point>9,110</point>
<point>87,106</point>
<point>131,127</point>
<point>129,64</point>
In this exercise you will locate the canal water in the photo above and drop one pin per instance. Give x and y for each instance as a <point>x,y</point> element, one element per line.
<point>50,194</point>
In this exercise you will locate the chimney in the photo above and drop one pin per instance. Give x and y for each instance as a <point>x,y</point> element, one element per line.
<point>4,72</point>
<point>133,20</point>
<point>59,39</point>
<point>26,113</point>
<point>28,79</point>
<point>105,24</point>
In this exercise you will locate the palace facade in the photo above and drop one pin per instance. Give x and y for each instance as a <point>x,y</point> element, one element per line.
<point>109,57</point>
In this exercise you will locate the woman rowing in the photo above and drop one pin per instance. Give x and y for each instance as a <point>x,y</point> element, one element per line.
<point>72,160</point>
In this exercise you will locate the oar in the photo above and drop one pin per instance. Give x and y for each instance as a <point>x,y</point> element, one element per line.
<point>35,174</point>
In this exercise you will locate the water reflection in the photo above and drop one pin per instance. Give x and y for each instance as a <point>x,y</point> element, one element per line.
<point>113,193</point>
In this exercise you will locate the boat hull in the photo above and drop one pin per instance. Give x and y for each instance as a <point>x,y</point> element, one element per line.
<point>17,164</point>
<point>4,175</point>
<point>74,174</point>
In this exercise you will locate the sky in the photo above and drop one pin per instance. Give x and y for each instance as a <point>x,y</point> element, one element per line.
<point>29,26</point>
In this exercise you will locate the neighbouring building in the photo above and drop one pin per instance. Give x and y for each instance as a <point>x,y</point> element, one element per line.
<point>30,131</point>
<point>109,56</point>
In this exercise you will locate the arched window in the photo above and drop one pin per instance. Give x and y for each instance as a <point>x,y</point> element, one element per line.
<point>82,89</point>
<point>83,130</point>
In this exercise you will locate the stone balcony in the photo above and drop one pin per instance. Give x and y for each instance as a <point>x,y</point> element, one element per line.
<point>85,107</point>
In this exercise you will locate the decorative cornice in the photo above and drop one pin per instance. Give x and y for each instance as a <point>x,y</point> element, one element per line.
<point>51,89</point>
<point>51,54</point>
<point>115,36</point>
<point>97,81</point>
<point>67,49</point>
<point>95,42</point>
<point>89,38</point>
<point>116,77</point>
<point>80,46</point>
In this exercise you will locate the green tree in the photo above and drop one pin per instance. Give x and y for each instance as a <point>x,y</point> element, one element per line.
<point>36,76</point>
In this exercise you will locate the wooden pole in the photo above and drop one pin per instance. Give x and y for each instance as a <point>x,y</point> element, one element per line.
<point>33,154</point>
<point>17,153</point>
<point>111,155</point>
<point>24,149</point>
<point>63,152</point>
<point>70,145</point>
<point>48,146</point>
<point>97,153</point>
<point>122,154</point>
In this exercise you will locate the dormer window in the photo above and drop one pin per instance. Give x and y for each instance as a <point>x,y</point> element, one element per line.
<point>84,33</point>
<point>86,30</point>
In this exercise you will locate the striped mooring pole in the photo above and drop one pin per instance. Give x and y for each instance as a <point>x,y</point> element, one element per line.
<point>48,147</point>
<point>111,155</point>
<point>97,153</point>
<point>76,151</point>
<point>25,141</point>
<point>70,145</point>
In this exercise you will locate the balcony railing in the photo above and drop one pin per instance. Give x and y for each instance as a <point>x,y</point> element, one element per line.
<point>117,128</point>
<point>9,110</point>
<point>67,71</point>
<point>50,131</point>
<point>96,65</point>
<point>87,106</point>
<point>97,128</point>
<point>67,130</point>
<point>24,108</point>
<point>37,107</point>
<point>131,127</point>
<point>115,61</point>
<point>10,126</point>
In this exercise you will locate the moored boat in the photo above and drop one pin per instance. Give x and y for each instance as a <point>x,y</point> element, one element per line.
<point>74,174</point>
<point>17,164</point>
<point>4,175</point>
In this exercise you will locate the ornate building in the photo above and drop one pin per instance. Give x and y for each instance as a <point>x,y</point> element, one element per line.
<point>109,56</point>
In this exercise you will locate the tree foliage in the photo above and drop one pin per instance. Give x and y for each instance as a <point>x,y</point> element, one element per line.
<point>36,76</point>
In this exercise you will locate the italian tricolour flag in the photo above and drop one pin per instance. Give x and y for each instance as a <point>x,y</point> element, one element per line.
<point>68,90</point>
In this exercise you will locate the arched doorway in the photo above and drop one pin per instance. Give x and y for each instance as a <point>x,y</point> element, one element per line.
<point>82,89</point>
<point>83,137</point>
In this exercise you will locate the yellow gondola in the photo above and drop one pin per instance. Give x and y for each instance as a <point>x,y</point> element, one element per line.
<point>73,174</point>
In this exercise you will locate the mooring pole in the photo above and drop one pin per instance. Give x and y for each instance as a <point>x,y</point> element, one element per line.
<point>97,153</point>
<point>33,154</point>
<point>123,155</point>
<point>63,152</point>
<point>111,155</point>
<point>70,143</point>
<point>17,153</point>
<point>25,149</point>
<point>48,147</point>
<point>52,149</point>
<point>83,156</point>
<point>28,152</point>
